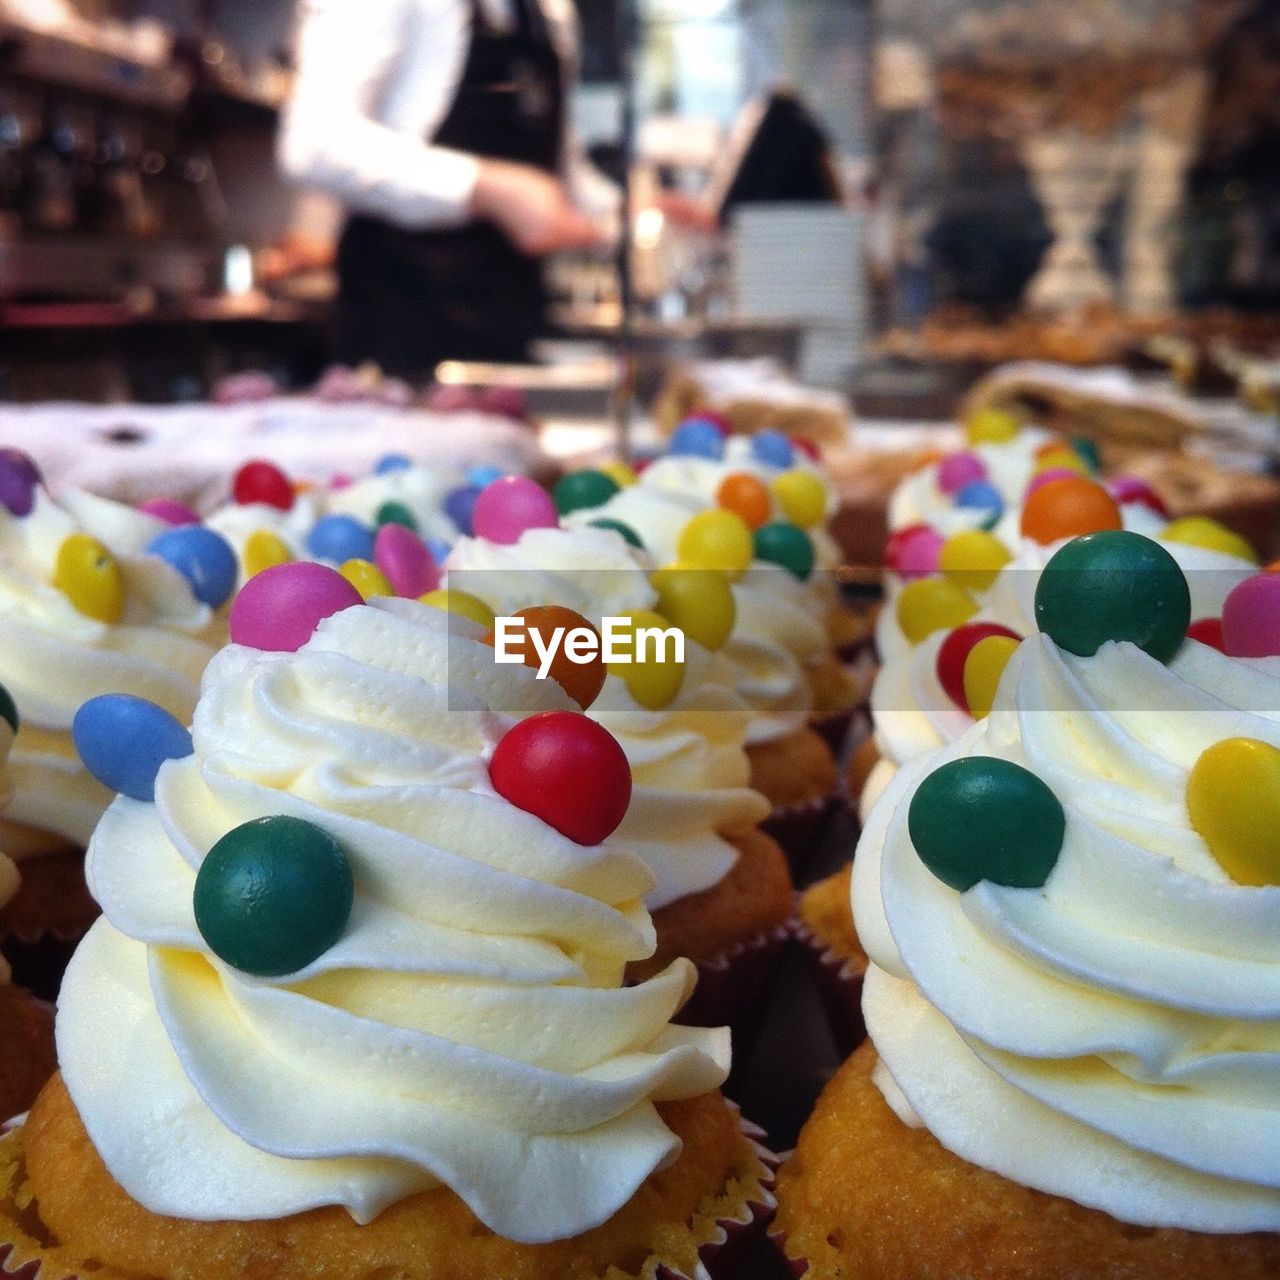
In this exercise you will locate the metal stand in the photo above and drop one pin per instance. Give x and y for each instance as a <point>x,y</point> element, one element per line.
<point>628,37</point>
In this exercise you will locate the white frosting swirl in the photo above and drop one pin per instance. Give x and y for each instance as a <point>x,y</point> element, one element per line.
<point>469,1027</point>
<point>1115,1036</point>
<point>55,658</point>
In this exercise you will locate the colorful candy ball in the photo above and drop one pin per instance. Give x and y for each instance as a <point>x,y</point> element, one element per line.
<point>510,507</point>
<point>959,469</point>
<point>90,577</point>
<point>262,550</point>
<point>395,513</point>
<point>624,531</point>
<point>913,552</point>
<point>273,895</point>
<point>955,651</point>
<point>746,496</point>
<point>583,491</point>
<point>1251,618</point>
<point>698,438</point>
<point>1062,459</point>
<point>932,604</point>
<point>581,675</point>
<point>262,482</point>
<point>716,540</point>
<point>404,558</point>
<point>991,426</point>
<point>986,819</point>
<point>1069,508</point>
<point>483,475</point>
<point>392,462</point>
<point>698,601</point>
<point>1127,490</point>
<point>339,538</point>
<point>279,609</point>
<point>124,740</point>
<point>802,497</point>
<point>1042,478</point>
<point>1208,631</point>
<point>461,603</point>
<point>566,770</point>
<point>973,559</point>
<point>654,674</point>
<point>171,512</point>
<point>983,669</point>
<point>620,473</point>
<point>367,579</point>
<point>787,546</point>
<point>1211,535</point>
<point>460,506</point>
<point>19,479</point>
<point>982,496</point>
<point>1114,586</point>
<point>204,558</point>
<point>1233,797</point>
<point>773,449</point>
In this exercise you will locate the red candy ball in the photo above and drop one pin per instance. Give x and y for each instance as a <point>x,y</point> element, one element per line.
<point>1127,490</point>
<point>566,770</point>
<point>265,483</point>
<point>1208,631</point>
<point>807,447</point>
<point>955,652</point>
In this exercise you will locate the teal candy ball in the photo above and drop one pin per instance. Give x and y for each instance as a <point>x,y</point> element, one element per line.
<point>1114,586</point>
<point>624,531</point>
<point>986,819</point>
<point>583,491</point>
<point>395,513</point>
<point>786,545</point>
<point>273,895</point>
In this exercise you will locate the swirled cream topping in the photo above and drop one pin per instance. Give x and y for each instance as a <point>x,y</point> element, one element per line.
<point>55,658</point>
<point>1113,1037</point>
<point>689,767</point>
<point>469,1028</point>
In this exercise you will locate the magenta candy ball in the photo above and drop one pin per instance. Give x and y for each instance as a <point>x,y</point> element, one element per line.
<point>959,469</point>
<point>1048,477</point>
<point>1129,489</point>
<point>509,507</point>
<point>1251,618</point>
<point>279,609</point>
<point>170,511</point>
<point>403,557</point>
<point>340,481</point>
<point>918,555</point>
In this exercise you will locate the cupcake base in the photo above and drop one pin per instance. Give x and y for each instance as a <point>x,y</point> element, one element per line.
<point>864,1195</point>
<point>824,928</point>
<point>62,1216</point>
<point>45,920</point>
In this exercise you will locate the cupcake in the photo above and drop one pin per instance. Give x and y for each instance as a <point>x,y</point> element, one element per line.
<point>408,1050</point>
<point>1070,917</point>
<point>722,893</point>
<point>95,598</point>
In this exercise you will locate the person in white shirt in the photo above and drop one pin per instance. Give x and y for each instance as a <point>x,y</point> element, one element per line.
<point>441,127</point>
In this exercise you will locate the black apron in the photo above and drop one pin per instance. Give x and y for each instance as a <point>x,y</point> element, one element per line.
<point>409,299</point>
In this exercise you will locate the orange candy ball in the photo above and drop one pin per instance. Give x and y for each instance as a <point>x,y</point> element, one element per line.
<point>747,497</point>
<point>1069,508</point>
<point>582,681</point>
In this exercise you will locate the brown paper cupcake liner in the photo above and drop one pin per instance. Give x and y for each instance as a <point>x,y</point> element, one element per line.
<point>722,1256</point>
<point>834,728</point>
<point>839,981</point>
<point>796,1267</point>
<point>799,829</point>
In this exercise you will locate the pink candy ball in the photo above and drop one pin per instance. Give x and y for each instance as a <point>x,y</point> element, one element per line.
<point>509,507</point>
<point>340,480</point>
<point>169,510</point>
<point>959,469</point>
<point>1251,618</point>
<point>917,555</point>
<point>1048,477</point>
<point>1129,489</point>
<point>279,609</point>
<point>404,558</point>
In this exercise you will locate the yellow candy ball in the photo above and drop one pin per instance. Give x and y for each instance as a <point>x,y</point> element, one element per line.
<point>982,671</point>
<point>717,540</point>
<point>992,426</point>
<point>264,550</point>
<point>1233,797</point>
<point>89,576</point>
<point>463,603</point>
<point>698,601</point>
<point>367,578</point>
<point>973,559</point>
<point>932,604</point>
<point>1062,460</point>
<point>621,474</point>
<point>653,678</point>
<point>802,497</point>
<point>1201,531</point>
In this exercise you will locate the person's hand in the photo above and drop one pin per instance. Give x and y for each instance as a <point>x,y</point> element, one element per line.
<point>531,209</point>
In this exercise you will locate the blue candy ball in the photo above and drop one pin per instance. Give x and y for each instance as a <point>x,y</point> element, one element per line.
<point>981,496</point>
<point>124,740</point>
<point>339,539</point>
<point>483,476</point>
<point>203,557</point>
<point>439,549</point>
<point>773,449</point>
<point>460,505</point>
<point>698,438</point>
<point>392,462</point>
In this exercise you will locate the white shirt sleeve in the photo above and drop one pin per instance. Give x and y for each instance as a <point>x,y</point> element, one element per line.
<point>375,80</point>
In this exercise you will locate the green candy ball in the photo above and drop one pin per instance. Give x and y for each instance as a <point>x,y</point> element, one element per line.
<point>786,545</point>
<point>396,513</point>
<point>273,895</point>
<point>629,535</point>
<point>1114,586</point>
<point>986,819</point>
<point>582,490</point>
<point>9,708</point>
<point>1087,452</point>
